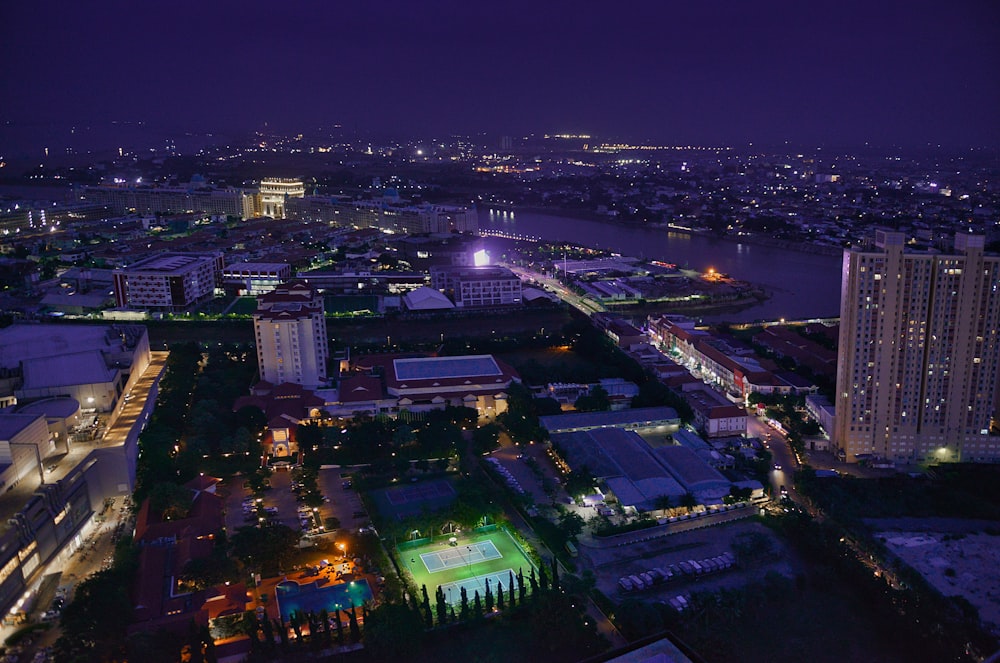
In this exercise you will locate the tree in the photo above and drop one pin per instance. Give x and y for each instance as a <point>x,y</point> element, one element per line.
<point>93,625</point>
<point>391,631</point>
<point>340,626</point>
<point>203,572</point>
<point>489,596</point>
<point>428,617</point>
<point>295,621</point>
<point>663,502</point>
<point>308,436</point>
<point>170,500</point>
<point>324,619</point>
<point>464,608</point>
<point>571,523</point>
<point>689,501</point>
<point>352,625</point>
<point>402,436</point>
<point>441,606</point>
<point>580,482</point>
<point>486,438</point>
<point>596,401</point>
<point>638,618</point>
<point>268,548</point>
<point>477,603</point>
<point>500,601</point>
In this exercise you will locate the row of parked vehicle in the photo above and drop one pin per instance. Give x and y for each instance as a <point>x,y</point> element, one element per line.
<point>660,574</point>
<point>507,476</point>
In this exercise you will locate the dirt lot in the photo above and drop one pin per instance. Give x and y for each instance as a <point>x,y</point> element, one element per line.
<point>612,563</point>
<point>966,565</point>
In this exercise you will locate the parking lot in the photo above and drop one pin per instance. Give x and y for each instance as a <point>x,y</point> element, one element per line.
<point>612,563</point>
<point>345,504</point>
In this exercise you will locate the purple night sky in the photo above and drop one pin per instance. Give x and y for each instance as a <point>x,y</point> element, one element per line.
<point>840,73</point>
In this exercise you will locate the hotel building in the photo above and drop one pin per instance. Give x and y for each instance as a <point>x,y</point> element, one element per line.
<point>290,332</point>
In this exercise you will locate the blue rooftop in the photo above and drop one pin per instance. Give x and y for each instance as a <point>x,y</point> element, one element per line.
<point>438,368</point>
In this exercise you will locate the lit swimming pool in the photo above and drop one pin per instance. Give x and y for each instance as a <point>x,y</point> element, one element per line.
<point>292,596</point>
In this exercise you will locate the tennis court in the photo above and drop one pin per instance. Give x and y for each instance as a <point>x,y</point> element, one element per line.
<point>460,555</point>
<point>401,502</point>
<point>420,492</point>
<point>453,590</point>
<point>470,561</point>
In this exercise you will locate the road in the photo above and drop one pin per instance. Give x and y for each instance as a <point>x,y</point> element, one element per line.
<point>782,456</point>
<point>583,304</point>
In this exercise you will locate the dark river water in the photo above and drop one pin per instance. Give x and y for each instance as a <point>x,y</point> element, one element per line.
<point>801,285</point>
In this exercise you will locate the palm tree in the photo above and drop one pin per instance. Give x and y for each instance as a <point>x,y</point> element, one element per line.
<point>663,502</point>
<point>689,501</point>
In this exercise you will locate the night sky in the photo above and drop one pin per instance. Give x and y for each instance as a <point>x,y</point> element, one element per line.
<point>835,73</point>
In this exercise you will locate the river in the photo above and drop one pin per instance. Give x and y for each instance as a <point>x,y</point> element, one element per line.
<point>801,285</point>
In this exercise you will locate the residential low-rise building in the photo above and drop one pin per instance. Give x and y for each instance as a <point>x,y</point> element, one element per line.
<point>255,278</point>
<point>714,415</point>
<point>168,282</point>
<point>473,287</point>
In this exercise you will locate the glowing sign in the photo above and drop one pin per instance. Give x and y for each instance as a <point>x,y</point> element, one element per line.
<point>480,258</point>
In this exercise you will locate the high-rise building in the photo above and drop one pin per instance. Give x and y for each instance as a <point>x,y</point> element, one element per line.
<point>291,335</point>
<point>919,353</point>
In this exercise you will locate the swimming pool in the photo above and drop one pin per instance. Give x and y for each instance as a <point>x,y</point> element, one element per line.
<point>292,596</point>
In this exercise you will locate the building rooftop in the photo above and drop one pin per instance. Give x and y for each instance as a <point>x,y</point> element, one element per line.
<point>257,267</point>
<point>441,368</point>
<point>689,469</point>
<point>424,299</point>
<point>617,418</point>
<point>65,370</point>
<point>12,424</point>
<point>27,341</point>
<point>170,262</point>
<point>623,460</point>
<point>62,407</point>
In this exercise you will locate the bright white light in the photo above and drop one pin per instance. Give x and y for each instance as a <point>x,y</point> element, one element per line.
<point>481,258</point>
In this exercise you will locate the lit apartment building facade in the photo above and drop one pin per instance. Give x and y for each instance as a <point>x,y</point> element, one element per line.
<point>391,217</point>
<point>919,353</point>
<point>290,330</point>
<point>145,199</point>
<point>274,191</point>
<point>471,287</point>
<point>168,282</point>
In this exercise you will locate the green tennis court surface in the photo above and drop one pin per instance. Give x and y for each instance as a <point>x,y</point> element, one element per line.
<point>471,561</point>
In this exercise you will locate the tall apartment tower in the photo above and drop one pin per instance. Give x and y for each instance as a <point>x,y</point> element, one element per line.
<point>917,375</point>
<point>291,335</point>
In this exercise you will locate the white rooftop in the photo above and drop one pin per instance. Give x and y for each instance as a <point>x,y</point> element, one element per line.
<point>21,342</point>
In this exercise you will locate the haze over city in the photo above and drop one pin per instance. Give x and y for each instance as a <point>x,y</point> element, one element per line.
<point>714,73</point>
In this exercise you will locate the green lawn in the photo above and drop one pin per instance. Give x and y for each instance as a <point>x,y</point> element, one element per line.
<point>468,569</point>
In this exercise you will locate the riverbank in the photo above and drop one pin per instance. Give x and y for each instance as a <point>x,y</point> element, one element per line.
<point>798,245</point>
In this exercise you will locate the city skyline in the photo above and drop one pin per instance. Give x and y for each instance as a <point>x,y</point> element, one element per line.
<point>718,73</point>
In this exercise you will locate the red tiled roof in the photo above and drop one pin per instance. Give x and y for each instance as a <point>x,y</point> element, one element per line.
<point>357,388</point>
